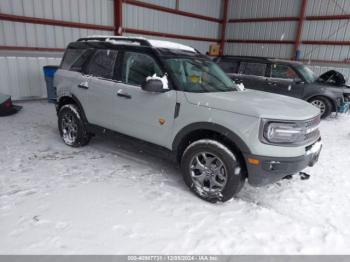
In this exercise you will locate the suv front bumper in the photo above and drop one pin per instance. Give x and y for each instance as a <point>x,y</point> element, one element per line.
<point>271,169</point>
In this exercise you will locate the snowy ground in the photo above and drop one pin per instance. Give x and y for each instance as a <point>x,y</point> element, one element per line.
<point>117,196</point>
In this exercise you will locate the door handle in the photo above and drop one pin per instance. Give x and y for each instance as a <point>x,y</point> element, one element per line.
<point>123,95</point>
<point>272,83</point>
<point>84,85</point>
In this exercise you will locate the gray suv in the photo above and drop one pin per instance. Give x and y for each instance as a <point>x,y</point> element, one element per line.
<point>170,95</point>
<point>328,92</point>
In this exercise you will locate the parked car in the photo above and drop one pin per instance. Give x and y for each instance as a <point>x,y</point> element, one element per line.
<point>172,96</point>
<point>328,92</point>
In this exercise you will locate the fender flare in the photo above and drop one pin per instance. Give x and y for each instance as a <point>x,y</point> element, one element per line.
<point>79,105</point>
<point>233,137</point>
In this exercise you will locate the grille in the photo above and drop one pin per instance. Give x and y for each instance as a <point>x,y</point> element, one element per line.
<point>313,125</point>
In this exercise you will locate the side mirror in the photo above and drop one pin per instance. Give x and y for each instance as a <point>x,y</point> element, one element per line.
<point>298,81</point>
<point>155,84</point>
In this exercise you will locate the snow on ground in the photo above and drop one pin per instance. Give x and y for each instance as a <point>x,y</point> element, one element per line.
<point>119,196</point>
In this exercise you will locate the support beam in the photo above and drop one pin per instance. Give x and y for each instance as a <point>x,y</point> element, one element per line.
<point>44,21</point>
<point>290,18</point>
<point>256,41</point>
<point>223,26</point>
<point>264,19</point>
<point>26,48</point>
<point>118,17</point>
<point>300,29</point>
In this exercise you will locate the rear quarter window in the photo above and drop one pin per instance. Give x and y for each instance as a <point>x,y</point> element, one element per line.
<point>75,58</point>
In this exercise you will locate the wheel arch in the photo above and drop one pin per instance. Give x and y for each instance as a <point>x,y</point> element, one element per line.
<point>329,98</point>
<point>200,130</point>
<point>65,100</point>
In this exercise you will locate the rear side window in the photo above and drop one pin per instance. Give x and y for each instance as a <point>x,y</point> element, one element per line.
<point>71,57</point>
<point>103,64</point>
<point>74,59</point>
<point>137,67</point>
<point>256,69</point>
<point>283,71</point>
<point>229,66</point>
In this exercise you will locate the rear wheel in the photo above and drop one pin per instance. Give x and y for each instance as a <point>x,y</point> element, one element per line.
<point>323,104</point>
<point>212,171</point>
<point>71,126</point>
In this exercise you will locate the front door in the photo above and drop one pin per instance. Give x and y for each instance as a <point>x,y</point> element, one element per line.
<point>285,81</point>
<point>145,115</point>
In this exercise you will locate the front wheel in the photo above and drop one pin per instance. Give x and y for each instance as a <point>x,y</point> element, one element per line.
<point>71,126</point>
<point>212,171</point>
<point>323,104</point>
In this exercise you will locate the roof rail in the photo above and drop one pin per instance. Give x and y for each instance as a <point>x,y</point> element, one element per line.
<point>141,41</point>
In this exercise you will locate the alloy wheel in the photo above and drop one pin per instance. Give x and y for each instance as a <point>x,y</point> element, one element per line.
<point>319,104</point>
<point>208,172</point>
<point>69,127</point>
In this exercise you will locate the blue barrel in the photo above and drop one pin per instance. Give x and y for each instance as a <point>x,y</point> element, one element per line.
<point>49,73</point>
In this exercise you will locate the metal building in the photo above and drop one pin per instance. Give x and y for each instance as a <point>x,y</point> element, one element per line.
<point>34,33</point>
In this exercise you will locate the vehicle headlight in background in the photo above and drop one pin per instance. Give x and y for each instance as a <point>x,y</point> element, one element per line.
<point>289,133</point>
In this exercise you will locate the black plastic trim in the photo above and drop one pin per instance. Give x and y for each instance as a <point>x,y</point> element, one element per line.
<point>242,146</point>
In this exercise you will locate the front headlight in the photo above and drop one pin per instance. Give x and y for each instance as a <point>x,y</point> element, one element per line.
<point>289,133</point>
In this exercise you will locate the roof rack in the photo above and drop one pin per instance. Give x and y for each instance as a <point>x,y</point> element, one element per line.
<point>122,39</point>
<point>138,40</point>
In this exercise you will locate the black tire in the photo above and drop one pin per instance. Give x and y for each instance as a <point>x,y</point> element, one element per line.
<point>81,137</point>
<point>323,102</point>
<point>233,168</point>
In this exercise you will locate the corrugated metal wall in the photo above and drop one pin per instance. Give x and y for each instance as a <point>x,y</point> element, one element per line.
<point>21,72</point>
<point>338,30</point>
<point>98,12</point>
<point>284,30</point>
<point>334,30</point>
<point>22,77</point>
<point>152,20</point>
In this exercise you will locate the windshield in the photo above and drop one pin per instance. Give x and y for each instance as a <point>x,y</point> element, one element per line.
<point>199,76</point>
<point>307,73</point>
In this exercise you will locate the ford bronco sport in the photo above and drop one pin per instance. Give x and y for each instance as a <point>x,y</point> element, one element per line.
<point>328,92</point>
<point>172,96</point>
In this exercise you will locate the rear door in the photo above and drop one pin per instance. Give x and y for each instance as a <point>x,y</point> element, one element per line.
<point>102,88</point>
<point>284,80</point>
<point>74,80</point>
<point>253,75</point>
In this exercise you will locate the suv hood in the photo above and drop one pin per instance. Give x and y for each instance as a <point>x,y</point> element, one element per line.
<point>333,78</point>
<point>255,103</point>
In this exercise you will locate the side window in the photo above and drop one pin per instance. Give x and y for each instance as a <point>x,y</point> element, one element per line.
<point>103,63</point>
<point>256,69</point>
<point>74,59</point>
<point>137,67</point>
<point>229,66</point>
<point>283,71</point>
